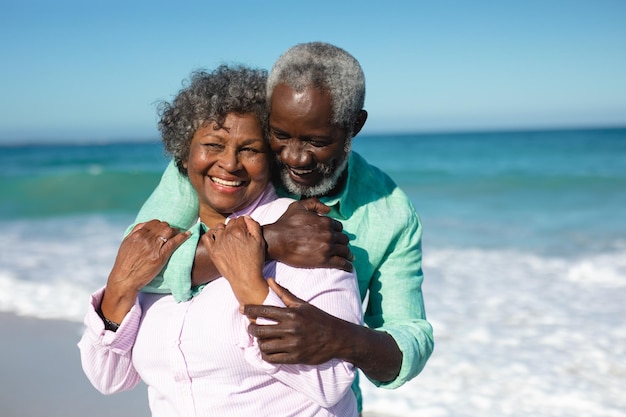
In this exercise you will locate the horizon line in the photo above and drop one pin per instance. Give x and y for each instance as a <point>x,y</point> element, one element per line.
<point>140,139</point>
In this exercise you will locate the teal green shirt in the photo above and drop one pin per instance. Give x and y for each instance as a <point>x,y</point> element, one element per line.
<point>385,237</point>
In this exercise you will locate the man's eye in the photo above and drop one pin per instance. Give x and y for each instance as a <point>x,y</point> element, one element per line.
<point>280,135</point>
<point>317,144</point>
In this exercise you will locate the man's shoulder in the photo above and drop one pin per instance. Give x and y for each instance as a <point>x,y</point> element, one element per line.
<point>371,186</point>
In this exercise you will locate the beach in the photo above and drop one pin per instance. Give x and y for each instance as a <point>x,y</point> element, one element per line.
<point>41,374</point>
<point>524,258</point>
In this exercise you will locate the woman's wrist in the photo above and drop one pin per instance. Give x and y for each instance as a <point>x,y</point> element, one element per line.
<point>108,324</point>
<point>116,304</point>
<point>253,290</point>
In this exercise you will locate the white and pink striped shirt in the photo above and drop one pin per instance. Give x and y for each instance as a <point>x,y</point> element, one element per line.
<point>198,359</point>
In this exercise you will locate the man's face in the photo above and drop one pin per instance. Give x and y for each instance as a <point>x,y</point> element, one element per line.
<point>311,152</point>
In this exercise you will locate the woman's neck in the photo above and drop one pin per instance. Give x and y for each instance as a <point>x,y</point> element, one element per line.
<point>211,218</point>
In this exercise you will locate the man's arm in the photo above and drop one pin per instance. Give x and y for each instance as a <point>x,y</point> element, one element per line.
<point>397,343</point>
<point>301,237</point>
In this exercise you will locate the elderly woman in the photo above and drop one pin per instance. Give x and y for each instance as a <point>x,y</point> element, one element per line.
<point>196,356</point>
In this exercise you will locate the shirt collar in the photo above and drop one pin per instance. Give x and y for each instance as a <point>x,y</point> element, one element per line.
<point>268,195</point>
<point>340,202</point>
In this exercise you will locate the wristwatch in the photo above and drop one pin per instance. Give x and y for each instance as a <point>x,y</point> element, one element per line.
<point>108,324</point>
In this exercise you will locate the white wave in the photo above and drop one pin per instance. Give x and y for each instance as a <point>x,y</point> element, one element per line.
<point>53,300</point>
<point>516,333</point>
<point>49,268</point>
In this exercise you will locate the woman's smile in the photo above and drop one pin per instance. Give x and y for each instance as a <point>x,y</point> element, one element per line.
<point>228,165</point>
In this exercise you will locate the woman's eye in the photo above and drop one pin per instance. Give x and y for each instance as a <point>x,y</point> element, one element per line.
<point>213,146</point>
<point>251,150</point>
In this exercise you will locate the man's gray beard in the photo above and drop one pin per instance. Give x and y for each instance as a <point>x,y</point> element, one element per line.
<point>327,184</point>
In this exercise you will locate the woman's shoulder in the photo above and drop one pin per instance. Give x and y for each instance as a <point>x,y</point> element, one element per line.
<point>310,282</point>
<point>271,211</point>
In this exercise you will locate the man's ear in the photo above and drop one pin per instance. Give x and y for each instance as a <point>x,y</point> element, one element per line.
<point>359,122</point>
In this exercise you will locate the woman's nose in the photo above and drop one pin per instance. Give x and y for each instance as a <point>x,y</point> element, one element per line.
<point>229,160</point>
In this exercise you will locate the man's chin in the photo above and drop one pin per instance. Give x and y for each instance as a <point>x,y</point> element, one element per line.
<point>318,190</point>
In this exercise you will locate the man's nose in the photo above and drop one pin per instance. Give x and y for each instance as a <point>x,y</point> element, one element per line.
<point>294,154</point>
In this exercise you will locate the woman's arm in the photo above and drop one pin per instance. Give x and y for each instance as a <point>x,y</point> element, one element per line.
<point>142,254</point>
<point>106,353</point>
<point>238,250</point>
<point>334,293</point>
<point>301,237</point>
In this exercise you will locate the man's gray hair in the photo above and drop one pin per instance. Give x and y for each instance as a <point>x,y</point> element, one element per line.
<point>328,68</point>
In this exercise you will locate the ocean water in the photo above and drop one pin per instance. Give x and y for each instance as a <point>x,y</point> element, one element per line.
<point>524,257</point>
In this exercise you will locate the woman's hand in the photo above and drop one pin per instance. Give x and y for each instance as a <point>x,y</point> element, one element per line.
<point>238,252</point>
<point>141,256</point>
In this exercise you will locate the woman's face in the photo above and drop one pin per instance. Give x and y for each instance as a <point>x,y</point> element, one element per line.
<point>228,167</point>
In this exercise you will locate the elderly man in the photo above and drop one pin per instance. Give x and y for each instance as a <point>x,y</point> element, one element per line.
<point>316,94</point>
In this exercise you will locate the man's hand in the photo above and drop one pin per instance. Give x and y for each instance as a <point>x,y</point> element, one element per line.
<point>307,335</point>
<point>304,237</point>
<point>304,334</point>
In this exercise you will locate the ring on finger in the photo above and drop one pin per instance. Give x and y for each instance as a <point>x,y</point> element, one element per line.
<point>164,239</point>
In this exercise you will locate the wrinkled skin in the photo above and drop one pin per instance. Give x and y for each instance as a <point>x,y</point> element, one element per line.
<point>238,252</point>
<point>304,334</point>
<point>302,237</point>
<point>301,330</point>
<point>141,256</point>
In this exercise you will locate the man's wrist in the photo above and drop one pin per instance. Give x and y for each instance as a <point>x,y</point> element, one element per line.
<point>375,352</point>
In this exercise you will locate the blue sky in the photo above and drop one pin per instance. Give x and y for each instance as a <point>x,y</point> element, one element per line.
<point>93,71</point>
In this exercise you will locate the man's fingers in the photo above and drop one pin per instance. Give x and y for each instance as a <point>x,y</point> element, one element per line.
<point>338,262</point>
<point>341,238</point>
<point>264,332</point>
<point>313,204</point>
<point>253,311</point>
<point>337,226</point>
<point>285,295</point>
<point>279,358</point>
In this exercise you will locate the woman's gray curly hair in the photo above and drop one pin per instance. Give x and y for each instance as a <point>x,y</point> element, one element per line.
<point>209,97</point>
<point>328,68</point>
